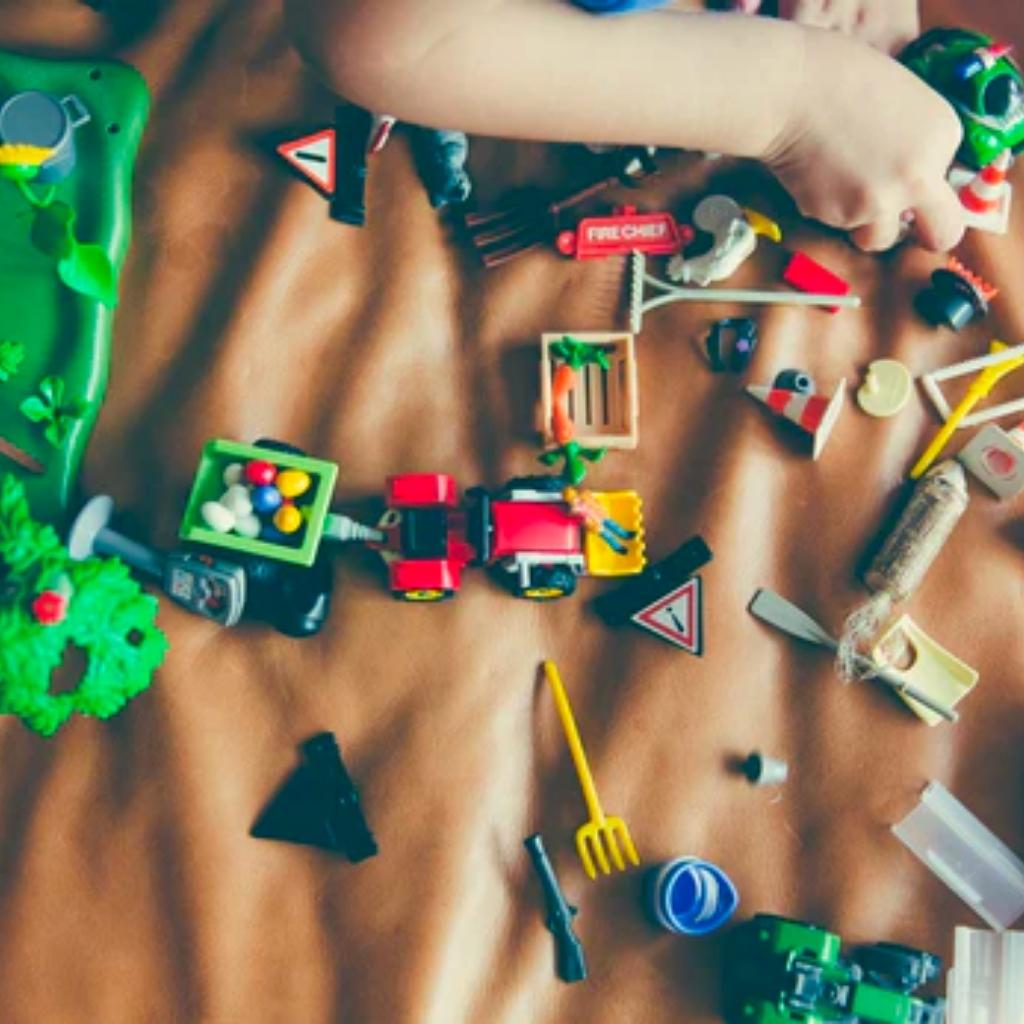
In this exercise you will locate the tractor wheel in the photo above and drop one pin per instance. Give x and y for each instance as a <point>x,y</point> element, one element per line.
<point>424,595</point>
<point>549,583</point>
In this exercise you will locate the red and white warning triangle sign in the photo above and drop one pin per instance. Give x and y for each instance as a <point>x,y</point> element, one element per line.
<point>314,156</point>
<point>677,617</point>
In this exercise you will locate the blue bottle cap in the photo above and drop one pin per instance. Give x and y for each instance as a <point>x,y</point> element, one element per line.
<point>690,896</point>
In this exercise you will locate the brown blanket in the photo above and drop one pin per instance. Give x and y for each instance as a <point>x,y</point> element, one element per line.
<point>130,889</point>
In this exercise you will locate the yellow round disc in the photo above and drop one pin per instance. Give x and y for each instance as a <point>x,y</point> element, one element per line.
<point>886,389</point>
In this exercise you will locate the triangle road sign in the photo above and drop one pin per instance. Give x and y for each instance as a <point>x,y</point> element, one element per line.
<point>677,617</point>
<point>315,157</point>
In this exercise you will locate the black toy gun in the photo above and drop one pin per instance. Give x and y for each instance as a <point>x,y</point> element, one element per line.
<point>571,964</point>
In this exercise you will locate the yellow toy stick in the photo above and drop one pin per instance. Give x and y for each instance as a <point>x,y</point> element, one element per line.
<point>602,833</point>
<point>979,388</point>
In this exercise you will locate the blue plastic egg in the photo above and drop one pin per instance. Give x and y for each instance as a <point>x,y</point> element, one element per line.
<point>266,499</point>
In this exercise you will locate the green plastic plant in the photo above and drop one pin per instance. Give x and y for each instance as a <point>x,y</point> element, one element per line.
<point>12,355</point>
<point>48,407</point>
<point>574,460</point>
<point>84,268</point>
<point>106,616</point>
<point>578,354</point>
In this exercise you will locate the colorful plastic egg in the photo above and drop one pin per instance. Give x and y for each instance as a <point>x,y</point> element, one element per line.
<point>236,499</point>
<point>259,472</point>
<point>233,473</point>
<point>248,526</point>
<point>217,517</point>
<point>266,499</point>
<point>288,518</point>
<point>293,482</point>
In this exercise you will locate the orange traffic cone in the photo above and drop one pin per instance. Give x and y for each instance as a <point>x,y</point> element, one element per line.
<point>984,192</point>
<point>814,414</point>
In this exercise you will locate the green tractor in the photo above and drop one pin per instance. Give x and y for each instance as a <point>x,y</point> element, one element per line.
<point>781,971</point>
<point>981,82</point>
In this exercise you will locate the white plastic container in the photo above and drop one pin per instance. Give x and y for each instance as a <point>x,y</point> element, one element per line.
<point>986,982</point>
<point>981,869</point>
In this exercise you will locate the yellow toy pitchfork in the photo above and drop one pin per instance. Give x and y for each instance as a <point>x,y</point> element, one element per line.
<point>601,832</point>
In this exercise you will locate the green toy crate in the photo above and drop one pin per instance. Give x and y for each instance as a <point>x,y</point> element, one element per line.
<point>209,486</point>
<point>63,332</point>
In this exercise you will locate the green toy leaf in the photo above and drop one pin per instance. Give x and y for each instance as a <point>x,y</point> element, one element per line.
<point>52,390</point>
<point>35,409</point>
<point>48,407</point>
<point>550,458</point>
<point>56,431</point>
<point>53,230</point>
<point>87,269</point>
<point>12,355</point>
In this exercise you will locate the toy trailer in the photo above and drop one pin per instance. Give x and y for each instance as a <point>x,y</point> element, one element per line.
<point>603,406</point>
<point>209,485</point>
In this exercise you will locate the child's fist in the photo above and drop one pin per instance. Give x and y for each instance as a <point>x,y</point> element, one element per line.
<point>867,144</point>
<point>886,24</point>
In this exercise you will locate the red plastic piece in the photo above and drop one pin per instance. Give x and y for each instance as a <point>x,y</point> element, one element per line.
<point>807,275</point>
<point>425,574</point>
<point>418,490</point>
<point>540,527</point>
<point>260,473</point>
<point>626,231</point>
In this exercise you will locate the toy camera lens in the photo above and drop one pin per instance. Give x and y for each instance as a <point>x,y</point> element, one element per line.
<point>1001,96</point>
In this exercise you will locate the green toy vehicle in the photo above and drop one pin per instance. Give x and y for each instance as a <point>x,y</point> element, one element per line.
<point>781,971</point>
<point>983,84</point>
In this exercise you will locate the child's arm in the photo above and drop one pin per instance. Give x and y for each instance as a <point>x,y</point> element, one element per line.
<point>856,138</point>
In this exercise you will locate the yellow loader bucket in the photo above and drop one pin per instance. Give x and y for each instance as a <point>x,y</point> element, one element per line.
<point>626,508</point>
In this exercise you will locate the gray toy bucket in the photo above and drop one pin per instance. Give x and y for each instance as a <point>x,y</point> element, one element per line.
<point>39,119</point>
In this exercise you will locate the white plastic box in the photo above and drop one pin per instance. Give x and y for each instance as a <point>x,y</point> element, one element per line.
<point>986,983</point>
<point>981,869</point>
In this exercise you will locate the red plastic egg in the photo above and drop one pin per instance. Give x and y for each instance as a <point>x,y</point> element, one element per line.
<point>259,473</point>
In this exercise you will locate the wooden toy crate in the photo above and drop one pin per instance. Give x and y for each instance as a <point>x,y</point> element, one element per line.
<point>603,406</point>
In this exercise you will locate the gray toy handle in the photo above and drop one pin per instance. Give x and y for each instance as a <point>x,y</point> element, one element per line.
<point>91,535</point>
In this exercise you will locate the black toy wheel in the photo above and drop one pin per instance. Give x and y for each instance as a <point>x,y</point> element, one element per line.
<point>549,583</point>
<point>900,967</point>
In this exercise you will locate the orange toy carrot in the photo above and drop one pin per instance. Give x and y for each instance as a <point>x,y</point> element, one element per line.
<point>561,425</point>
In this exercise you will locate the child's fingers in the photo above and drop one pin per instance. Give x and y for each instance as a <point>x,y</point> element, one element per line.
<point>879,235</point>
<point>939,221</point>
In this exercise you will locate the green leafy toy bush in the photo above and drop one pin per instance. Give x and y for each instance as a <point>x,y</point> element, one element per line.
<point>50,605</point>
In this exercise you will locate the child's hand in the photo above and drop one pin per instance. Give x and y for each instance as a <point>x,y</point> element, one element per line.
<point>867,143</point>
<point>886,24</point>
